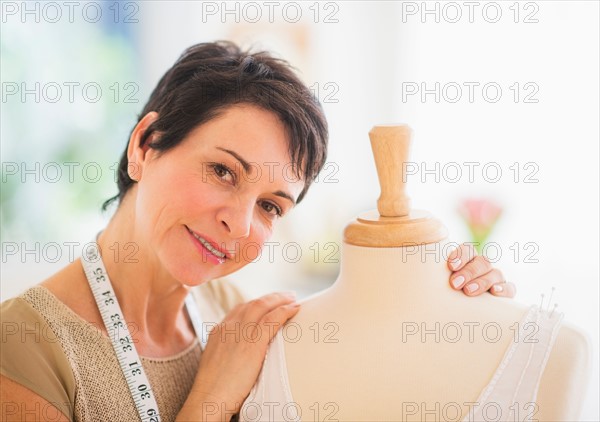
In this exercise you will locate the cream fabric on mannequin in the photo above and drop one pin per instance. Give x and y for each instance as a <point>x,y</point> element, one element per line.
<point>391,340</point>
<point>395,342</point>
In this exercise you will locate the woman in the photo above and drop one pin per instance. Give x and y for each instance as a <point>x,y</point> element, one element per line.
<point>228,143</point>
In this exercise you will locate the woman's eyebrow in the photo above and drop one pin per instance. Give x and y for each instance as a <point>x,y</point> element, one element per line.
<point>247,167</point>
<point>244,163</point>
<point>285,195</point>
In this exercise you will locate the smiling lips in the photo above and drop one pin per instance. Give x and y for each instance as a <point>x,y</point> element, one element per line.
<point>210,246</point>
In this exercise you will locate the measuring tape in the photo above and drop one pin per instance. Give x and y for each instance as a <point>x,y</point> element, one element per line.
<point>120,337</point>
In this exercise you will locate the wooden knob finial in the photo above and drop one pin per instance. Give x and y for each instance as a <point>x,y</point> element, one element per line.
<point>393,224</point>
<point>390,145</point>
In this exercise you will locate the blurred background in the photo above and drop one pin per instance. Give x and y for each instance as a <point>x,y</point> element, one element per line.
<point>502,97</point>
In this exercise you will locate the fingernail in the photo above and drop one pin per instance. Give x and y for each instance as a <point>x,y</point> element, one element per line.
<point>497,288</point>
<point>458,281</point>
<point>472,287</point>
<point>455,263</point>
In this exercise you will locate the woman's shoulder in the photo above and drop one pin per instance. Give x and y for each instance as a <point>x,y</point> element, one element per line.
<point>70,292</point>
<point>27,318</point>
<point>39,324</point>
<point>15,306</point>
<point>32,355</point>
<point>24,311</point>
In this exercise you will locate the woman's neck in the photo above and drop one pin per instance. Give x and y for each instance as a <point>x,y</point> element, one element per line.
<point>151,300</point>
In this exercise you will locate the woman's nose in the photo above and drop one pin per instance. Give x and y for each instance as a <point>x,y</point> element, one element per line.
<point>237,218</point>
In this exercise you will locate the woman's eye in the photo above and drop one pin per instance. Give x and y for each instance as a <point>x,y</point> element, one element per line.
<point>222,171</point>
<point>269,207</point>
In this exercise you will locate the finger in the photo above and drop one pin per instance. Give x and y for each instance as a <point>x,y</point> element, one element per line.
<point>483,283</point>
<point>477,267</point>
<point>255,331</point>
<point>257,308</point>
<point>461,256</point>
<point>274,320</point>
<point>504,289</point>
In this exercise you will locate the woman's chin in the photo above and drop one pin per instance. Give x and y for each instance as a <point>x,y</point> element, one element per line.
<point>193,272</point>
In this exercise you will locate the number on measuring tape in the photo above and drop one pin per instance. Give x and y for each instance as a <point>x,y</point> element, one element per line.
<point>108,300</point>
<point>99,274</point>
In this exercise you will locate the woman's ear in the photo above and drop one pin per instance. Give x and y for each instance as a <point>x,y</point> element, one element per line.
<point>137,154</point>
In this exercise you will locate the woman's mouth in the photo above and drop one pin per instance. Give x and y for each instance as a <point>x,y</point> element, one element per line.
<point>207,249</point>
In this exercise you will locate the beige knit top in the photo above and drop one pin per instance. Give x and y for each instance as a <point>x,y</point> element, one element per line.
<point>51,350</point>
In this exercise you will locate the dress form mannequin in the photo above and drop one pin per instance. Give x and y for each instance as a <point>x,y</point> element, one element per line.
<point>391,340</point>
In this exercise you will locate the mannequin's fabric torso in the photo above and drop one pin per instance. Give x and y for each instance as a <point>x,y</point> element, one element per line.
<point>390,340</point>
<point>509,396</point>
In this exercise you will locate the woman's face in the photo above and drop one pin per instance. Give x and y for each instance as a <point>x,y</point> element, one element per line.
<point>228,182</point>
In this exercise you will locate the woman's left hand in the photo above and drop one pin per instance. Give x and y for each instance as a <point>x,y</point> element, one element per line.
<point>474,274</point>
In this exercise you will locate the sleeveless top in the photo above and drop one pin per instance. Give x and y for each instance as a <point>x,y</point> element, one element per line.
<point>68,361</point>
<point>515,381</point>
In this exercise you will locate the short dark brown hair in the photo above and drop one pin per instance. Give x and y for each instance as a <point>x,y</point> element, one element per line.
<point>209,77</point>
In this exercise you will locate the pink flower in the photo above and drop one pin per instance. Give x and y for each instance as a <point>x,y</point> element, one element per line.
<point>481,216</point>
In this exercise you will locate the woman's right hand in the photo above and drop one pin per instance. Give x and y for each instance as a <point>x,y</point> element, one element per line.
<point>234,356</point>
